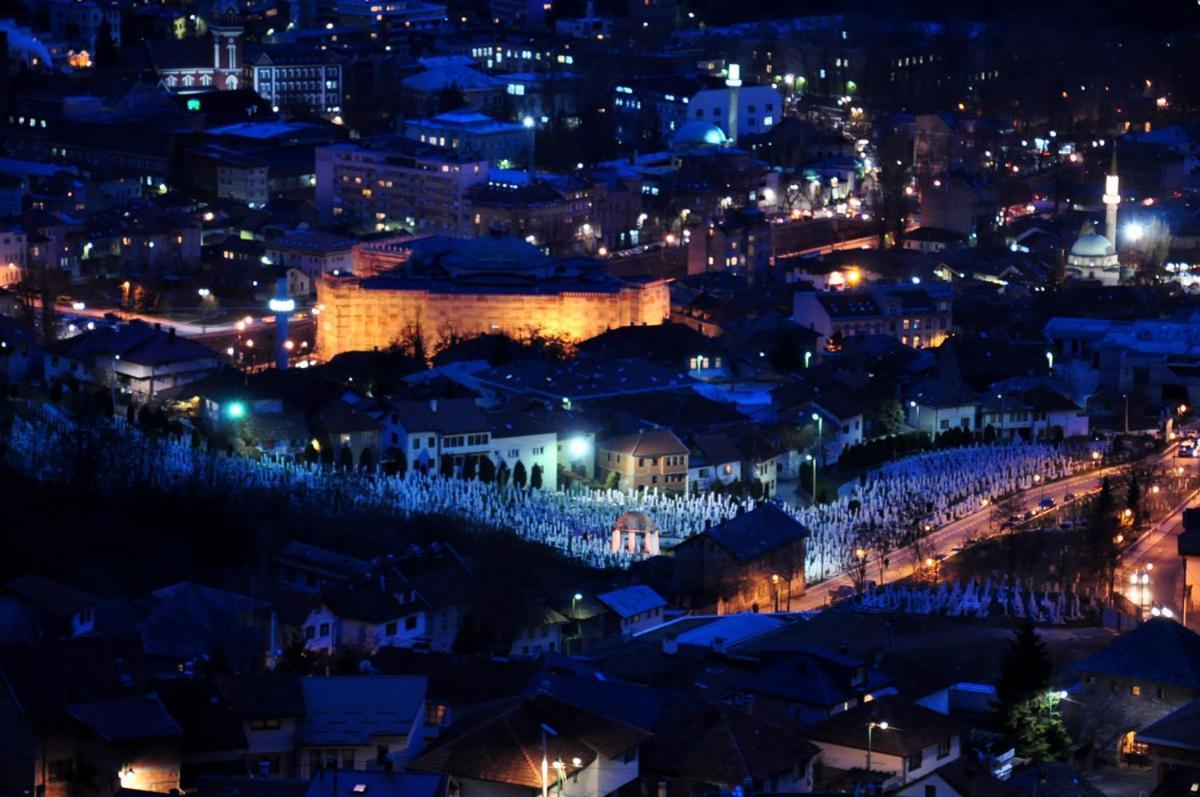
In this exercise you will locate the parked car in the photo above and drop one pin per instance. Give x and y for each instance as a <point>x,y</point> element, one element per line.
<point>1047,503</point>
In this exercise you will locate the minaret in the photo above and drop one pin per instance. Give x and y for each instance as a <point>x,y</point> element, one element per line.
<point>282,306</point>
<point>734,82</point>
<point>1112,198</point>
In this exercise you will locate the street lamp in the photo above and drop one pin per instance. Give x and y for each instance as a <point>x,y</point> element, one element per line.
<point>871,726</point>
<point>807,357</point>
<point>1050,360</point>
<point>809,458</point>
<point>816,416</point>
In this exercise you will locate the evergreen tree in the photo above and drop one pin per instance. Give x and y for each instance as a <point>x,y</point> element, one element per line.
<point>346,459</point>
<point>1025,670</point>
<point>502,474</point>
<point>612,481</point>
<point>535,476</point>
<point>487,470</point>
<point>1025,706</point>
<point>1102,548</point>
<point>470,469</point>
<point>1133,495</point>
<point>519,475</point>
<point>447,466</point>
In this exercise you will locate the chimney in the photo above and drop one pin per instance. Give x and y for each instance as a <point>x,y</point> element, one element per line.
<point>433,405</point>
<point>670,645</point>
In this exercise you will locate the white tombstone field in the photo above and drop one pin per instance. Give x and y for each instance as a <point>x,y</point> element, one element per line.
<point>932,488</point>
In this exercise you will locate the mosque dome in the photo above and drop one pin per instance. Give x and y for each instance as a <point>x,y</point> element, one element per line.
<point>698,133</point>
<point>1093,245</point>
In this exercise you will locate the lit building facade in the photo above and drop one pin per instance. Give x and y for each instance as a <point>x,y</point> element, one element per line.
<point>490,284</point>
<point>396,181</point>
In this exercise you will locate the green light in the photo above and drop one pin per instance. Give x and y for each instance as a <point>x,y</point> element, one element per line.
<point>236,410</point>
<point>193,105</point>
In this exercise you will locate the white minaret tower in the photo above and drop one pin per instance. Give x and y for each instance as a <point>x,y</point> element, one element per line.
<point>734,81</point>
<point>1112,198</point>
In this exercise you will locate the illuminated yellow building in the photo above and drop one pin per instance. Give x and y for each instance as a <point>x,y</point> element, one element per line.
<point>492,284</point>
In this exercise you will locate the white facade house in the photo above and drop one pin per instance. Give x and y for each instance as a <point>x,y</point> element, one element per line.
<point>329,630</point>
<point>637,608</point>
<point>314,252</point>
<point>759,108</point>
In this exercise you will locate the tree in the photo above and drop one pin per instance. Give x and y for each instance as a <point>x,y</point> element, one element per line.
<point>890,416</point>
<point>1036,728</point>
<point>519,475</point>
<point>1102,547</point>
<point>470,468</point>
<point>446,466</point>
<point>1025,707</point>
<point>1133,496</point>
<point>346,459</point>
<point>535,476</point>
<point>487,470</point>
<point>366,460</point>
<point>612,481</point>
<point>1025,669</point>
<point>502,474</point>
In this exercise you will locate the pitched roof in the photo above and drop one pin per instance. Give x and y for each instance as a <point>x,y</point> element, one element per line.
<point>127,718</point>
<point>51,598</point>
<point>723,745</point>
<point>912,727</point>
<point>501,742</point>
<point>1179,729</point>
<point>756,533</point>
<point>348,710</point>
<point>653,443</point>
<point>366,602</point>
<point>458,680</point>
<point>444,416</point>
<point>1159,650</point>
<point>628,601</point>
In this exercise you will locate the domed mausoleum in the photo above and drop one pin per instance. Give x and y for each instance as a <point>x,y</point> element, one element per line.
<point>635,533</point>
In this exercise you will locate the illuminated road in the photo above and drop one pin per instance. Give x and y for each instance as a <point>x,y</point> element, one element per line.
<point>1158,546</point>
<point>1156,554</point>
<point>946,539</point>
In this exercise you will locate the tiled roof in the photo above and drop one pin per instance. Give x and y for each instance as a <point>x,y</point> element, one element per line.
<point>629,601</point>
<point>444,416</point>
<point>1179,729</point>
<point>502,742</point>
<point>127,719</point>
<point>653,443</point>
<point>50,597</point>
<point>348,710</point>
<point>912,727</point>
<point>756,533</point>
<point>723,745</point>
<point>1160,651</point>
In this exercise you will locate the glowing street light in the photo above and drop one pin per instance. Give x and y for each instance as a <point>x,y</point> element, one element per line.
<point>871,726</point>
<point>578,447</point>
<point>1134,231</point>
<point>236,410</point>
